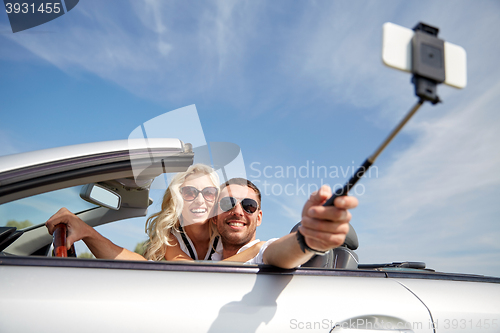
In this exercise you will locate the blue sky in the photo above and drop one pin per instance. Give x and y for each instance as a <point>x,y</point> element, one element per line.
<point>293,83</point>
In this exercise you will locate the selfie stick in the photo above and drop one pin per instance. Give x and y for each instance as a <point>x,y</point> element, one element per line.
<point>427,74</point>
<point>370,160</point>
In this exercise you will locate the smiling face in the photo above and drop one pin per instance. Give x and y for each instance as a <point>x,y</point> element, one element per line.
<point>236,226</point>
<point>198,210</point>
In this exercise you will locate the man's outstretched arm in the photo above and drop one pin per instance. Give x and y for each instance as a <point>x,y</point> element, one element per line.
<point>323,228</point>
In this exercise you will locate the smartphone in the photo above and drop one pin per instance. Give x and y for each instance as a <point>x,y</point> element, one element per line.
<point>397,53</point>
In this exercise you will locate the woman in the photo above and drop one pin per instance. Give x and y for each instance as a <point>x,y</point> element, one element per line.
<point>180,231</point>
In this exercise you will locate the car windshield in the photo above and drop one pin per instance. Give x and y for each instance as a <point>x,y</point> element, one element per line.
<point>26,212</point>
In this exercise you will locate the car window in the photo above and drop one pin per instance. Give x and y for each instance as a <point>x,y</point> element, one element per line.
<point>130,233</point>
<point>37,209</point>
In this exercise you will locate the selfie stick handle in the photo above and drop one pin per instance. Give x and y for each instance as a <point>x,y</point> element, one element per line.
<point>370,160</point>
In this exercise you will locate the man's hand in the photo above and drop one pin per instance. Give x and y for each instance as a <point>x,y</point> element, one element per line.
<point>77,229</point>
<point>325,228</point>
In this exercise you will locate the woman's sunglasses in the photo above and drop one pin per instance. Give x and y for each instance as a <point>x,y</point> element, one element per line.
<point>249,205</point>
<point>189,193</point>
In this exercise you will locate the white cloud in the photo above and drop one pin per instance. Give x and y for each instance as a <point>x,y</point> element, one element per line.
<point>150,14</point>
<point>149,49</point>
<point>284,207</point>
<point>455,154</point>
<point>153,51</point>
<point>8,146</point>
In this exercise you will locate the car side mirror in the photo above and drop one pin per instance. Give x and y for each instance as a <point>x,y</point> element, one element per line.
<point>100,195</point>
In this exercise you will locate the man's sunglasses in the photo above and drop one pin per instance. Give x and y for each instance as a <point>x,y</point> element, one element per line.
<point>249,205</point>
<point>189,193</point>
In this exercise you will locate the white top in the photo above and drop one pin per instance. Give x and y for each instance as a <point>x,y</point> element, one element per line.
<point>185,249</point>
<point>27,159</point>
<point>258,259</point>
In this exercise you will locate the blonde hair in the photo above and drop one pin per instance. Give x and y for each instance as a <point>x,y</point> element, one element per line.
<point>159,225</point>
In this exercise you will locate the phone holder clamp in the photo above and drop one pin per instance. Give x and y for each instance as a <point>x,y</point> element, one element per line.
<point>427,62</point>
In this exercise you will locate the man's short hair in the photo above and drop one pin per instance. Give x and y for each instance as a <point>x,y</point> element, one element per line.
<point>242,182</point>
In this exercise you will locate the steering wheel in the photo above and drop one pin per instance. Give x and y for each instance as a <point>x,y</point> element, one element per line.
<point>59,242</point>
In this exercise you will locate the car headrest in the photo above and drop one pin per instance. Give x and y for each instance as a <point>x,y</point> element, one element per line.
<point>351,239</point>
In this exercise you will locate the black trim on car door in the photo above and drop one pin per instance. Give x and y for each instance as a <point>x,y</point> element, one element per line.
<point>223,267</point>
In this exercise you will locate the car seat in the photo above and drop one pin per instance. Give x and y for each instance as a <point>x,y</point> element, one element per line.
<point>340,257</point>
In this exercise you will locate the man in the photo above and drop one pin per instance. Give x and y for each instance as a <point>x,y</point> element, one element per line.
<point>239,215</point>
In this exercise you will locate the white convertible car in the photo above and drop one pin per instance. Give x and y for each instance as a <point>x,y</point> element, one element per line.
<point>41,293</point>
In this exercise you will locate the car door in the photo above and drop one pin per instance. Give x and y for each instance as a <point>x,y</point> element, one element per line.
<point>85,295</point>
